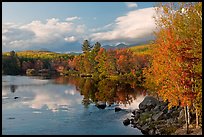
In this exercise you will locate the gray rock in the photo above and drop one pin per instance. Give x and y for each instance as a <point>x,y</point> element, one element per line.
<point>147,109</point>
<point>101,105</point>
<point>156,108</point>
<point>158,116</point>
<point>126,122</point>
<point>170,121</point>
<point>149,120</point>
<point>148,102</point>
<point>135,111</point>
<point>141,122</point>
<point>145,127</point>
<point>151,132</point>
<point>181,117</point>
<point>157,132</point>
<point>137,116</point>
<point>131,121</point>
<point>136,121</point>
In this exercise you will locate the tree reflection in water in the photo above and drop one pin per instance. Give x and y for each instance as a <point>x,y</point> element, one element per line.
<point>110,91</point>
<point>13,88</point>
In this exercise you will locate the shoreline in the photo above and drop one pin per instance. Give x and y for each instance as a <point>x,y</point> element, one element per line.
<point>154,118</point>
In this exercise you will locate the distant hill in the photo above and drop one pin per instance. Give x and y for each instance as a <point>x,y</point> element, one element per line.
<point>122,45</point>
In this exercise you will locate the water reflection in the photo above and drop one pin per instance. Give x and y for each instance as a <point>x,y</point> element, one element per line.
<point>13,88</point>
<point>109,91</point>
<point>53,98</point>
<point>48,106</point>
<point>37,96</point>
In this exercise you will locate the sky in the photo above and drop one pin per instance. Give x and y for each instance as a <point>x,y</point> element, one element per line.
<point>63,26</point>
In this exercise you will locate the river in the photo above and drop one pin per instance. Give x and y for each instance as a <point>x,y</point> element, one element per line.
<point>66,106</point>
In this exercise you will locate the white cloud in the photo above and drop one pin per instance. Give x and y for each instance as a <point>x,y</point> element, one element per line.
<point>70,39</point>
<point>73,18</point>
<point>80,29</point>
<point>135,26</point>
<point>131,4</point>
<point>37,34</point>
<point>55,35</point>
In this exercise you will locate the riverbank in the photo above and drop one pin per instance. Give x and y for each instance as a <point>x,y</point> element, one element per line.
<point>154,118</point>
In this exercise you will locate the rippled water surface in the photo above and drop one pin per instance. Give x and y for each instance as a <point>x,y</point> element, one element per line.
<point>32,105</point>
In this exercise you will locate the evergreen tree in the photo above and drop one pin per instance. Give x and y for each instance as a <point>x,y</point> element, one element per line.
<point>86,47</point>
<point>97,47</point>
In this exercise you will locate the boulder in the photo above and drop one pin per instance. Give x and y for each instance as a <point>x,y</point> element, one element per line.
<point>157,132</point>
<point>170,121</point>
<point>148,102</point>
<point>151,132</point>
<point>145,127</point>
<point>101,105</point>
<point>156,108</point>
<point>117,109</point>
<point>148,120</point>
<point>137,116</point>
<point>181,117</point>
<point>135,111</point>
<point>131,121</point>
<point>158,116</point>
<point>126,122</point>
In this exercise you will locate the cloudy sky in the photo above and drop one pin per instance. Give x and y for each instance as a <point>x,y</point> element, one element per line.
<point>63,26</point>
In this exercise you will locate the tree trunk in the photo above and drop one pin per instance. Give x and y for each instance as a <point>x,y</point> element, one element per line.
<point>189,117</point>
<point>186,118</point>
<point>197,118</point>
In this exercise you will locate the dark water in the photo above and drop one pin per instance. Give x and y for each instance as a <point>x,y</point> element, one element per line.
<point>32,105</point>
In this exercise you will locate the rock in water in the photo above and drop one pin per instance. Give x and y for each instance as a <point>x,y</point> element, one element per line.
<point>117,109</point>
<point>101,105</point>
<point>16,97</point>
<point>126,122</point>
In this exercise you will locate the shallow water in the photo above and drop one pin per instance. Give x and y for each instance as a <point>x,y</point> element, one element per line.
<point>50,106</point>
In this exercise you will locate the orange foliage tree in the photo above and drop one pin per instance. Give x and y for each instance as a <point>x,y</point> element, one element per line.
<point>176,67</point>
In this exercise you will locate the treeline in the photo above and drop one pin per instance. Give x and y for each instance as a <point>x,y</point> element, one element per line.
<point>95,61</point>
<point>33,62</point>
<point>102,63</point>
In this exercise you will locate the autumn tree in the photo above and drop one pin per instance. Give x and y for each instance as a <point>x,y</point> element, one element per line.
<point>176,71</point>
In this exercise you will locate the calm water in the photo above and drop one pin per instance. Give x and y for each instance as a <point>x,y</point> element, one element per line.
<point>66,106</point>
